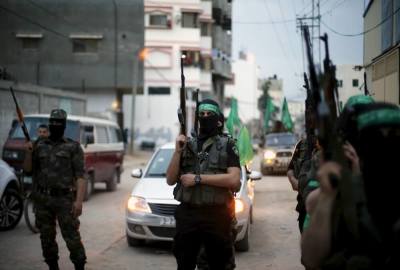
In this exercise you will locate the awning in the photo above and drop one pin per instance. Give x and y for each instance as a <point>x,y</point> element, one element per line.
<point>29,35</point>
<point>183,48</point>
<point>193,10</point>
<point>86,36</point>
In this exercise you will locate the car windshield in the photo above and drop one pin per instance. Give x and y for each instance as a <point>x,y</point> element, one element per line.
<point>159,164</point>
<point>277,140</point>
<point>33,123</point>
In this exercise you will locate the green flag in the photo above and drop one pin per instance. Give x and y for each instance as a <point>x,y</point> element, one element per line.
<point>269,109</point>
<point>244,146</point>
<point>286,118</point>
<point>233,122</point>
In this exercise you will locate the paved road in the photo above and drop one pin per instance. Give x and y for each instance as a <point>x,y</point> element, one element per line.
<point>274,237</point>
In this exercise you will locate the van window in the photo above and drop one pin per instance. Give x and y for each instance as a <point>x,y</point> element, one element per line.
<point>115,135</point>
<point>33,123</point>
<point>85,132</point>
<point>101,134</point>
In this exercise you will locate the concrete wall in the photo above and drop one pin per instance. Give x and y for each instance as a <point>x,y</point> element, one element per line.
<point>372,39</point>
<point>346,74</point>
<point>245,87</point>
<point>54,64</point>
<point>35,99</point>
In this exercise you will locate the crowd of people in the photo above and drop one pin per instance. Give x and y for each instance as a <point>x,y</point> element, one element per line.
<point>349,211</point>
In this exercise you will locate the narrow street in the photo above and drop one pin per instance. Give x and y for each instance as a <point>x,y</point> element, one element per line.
<point>274,238</point>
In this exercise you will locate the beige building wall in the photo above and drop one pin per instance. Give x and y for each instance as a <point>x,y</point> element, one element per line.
<point>372,39</point>
<point>382,69</point>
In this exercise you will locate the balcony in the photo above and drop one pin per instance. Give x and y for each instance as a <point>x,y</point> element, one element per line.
<point>222,68</point>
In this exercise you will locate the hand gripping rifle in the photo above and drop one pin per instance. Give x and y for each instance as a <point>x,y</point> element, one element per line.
<point>20,116</point>
<point>182,107</point>
<point>324,96</point>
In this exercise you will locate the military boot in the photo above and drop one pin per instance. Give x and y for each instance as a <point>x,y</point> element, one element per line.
<point>53,265</point>
<point>79,266</point>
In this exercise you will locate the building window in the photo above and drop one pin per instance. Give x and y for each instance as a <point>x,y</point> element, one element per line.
<point>206,63</point>
<point>192,58</point>
<point>397,20</point>
<point>139,90</point>
<point>355,82</point>
<point>387,26</point>
<point>30,43</point>
<point>205,29</point>
<point>159,90</point>
<point>190,20</point>
<point>340,83</point>
<point>159,20</point>
<point>80,45</point>
<point>101,134</point>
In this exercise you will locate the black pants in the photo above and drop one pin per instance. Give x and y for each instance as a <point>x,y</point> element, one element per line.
<point>209,226</point>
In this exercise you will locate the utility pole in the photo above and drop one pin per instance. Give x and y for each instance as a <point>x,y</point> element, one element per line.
<point>312,22</point>
<point>135,73</point>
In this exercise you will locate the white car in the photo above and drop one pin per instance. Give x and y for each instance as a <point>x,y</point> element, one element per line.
<point>151,206</point>
<point>11,203</point>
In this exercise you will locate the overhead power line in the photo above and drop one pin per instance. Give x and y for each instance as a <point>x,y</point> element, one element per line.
<point>266,22</point>
<point>279,38</point>
<point>287,30</point>
<point>58,17</point>
<point>334,7</point>
<point>33,22</point>
<point>48,29</point>
<point>364,32</point>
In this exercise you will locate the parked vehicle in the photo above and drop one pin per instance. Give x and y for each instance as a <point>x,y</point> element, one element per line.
<point>278,150</point>
<point>11,202</point>
<point>151,206</point>
<point>101,141</point>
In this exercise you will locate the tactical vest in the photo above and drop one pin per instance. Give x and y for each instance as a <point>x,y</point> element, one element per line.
<point>212,162</point>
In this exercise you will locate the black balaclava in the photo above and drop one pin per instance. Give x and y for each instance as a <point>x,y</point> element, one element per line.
<point>56,129</point>
<point>209,124</point>
<point>378,148</point>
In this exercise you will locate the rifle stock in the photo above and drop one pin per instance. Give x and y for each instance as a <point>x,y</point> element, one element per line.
<point>20,116</point>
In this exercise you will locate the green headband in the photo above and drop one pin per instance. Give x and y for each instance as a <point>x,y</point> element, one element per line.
<point>209,107</point>
<point>378,117</point>
<point>359,99</point>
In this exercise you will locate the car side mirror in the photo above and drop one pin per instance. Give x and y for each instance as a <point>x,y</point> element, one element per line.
<point>254,175</point>
<point>136,173</point>
<point>89,139</point>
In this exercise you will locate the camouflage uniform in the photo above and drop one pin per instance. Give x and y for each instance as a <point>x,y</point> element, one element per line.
<point>56,166</point>
<point>300,167</point>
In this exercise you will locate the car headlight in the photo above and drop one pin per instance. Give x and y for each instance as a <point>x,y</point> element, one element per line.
<point>269,154</point>
<point>239,206</point>
<point>9,154</point>
<point>138,204</point>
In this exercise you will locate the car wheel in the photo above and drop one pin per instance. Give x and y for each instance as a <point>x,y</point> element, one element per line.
<point>89,187</point>
<point>134,242</point>
<point>243,245</point>
<point>118,176</point>
<point>111,185</point>
<point>11,208</point>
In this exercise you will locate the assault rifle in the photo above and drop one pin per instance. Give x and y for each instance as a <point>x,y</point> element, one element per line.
<point>20,116</point>
<point>182,107</point>
<point>310,124</point>
<point>324,94</point>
